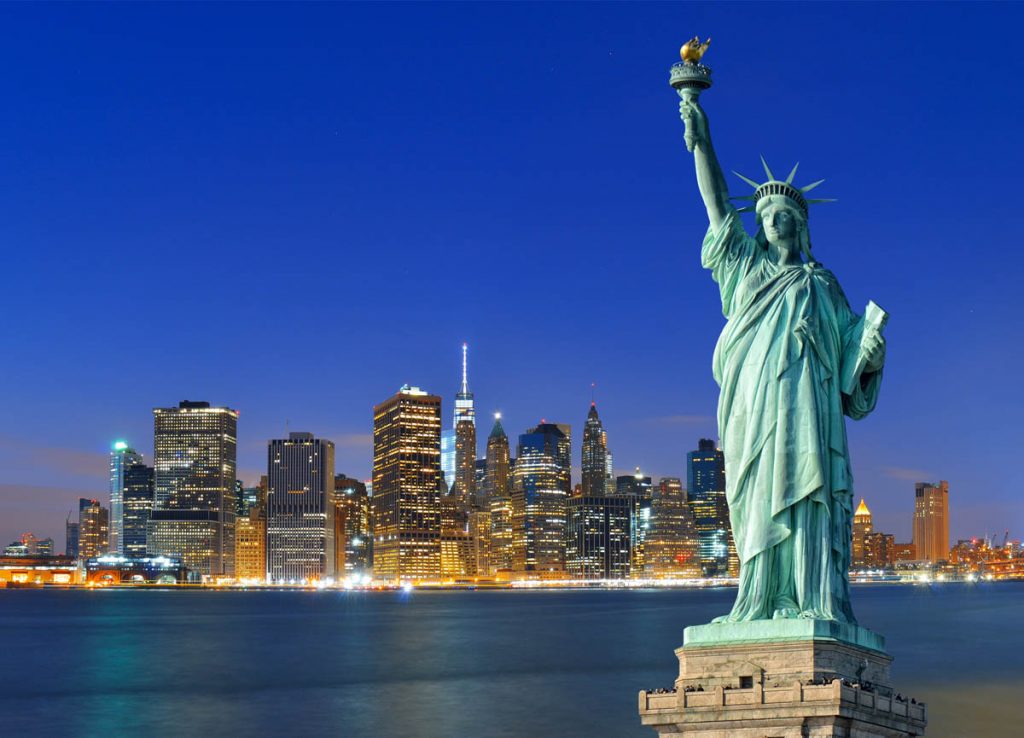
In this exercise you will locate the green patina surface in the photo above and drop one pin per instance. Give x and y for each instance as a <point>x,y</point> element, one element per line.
<point>792,363</point>
<point>768,631</point>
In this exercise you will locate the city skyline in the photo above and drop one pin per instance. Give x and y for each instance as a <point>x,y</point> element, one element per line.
<point>208,194</point>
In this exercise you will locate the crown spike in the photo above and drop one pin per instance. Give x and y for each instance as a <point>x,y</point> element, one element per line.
<point>766,169</point>
<point>789,179</point>
<point>811,186</point>
<point>820,200</point>
<point>748,180</point>
<point>747,209</point>
<point>743,197</point>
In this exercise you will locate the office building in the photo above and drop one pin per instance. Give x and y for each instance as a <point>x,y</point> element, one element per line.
<point>194,462</point>
<point>705,475</point>
<point>406,487</point>
<point>862,528</point>
<point>300,509</point>
<point>879,551</point>
<point>137,507</point>
<point>355,544</point>
<point>672,548</point>
<point>598,540</point>
<point>931,521</point>
<point>637,489</point>
<point>465,439</point>
<point>93,528</point>
<point>498,495</point>
<point>71,537</point>
<point>541,486</point>
<point>121,456</point>
<point>251,544</point>
<point>595,457</point>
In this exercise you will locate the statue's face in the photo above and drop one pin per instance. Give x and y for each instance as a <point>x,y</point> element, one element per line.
<point>779,221</point>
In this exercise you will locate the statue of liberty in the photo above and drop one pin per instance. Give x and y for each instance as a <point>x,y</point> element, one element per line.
<point>792,360</point>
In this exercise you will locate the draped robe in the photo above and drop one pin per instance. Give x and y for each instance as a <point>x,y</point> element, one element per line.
<point>778,363</point>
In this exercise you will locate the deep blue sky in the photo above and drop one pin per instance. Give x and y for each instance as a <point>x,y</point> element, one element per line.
<point>294,209</point>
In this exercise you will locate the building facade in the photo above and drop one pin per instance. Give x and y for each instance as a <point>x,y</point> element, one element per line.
<point>406,487</point>
<point>705,476</point>
<point>251,544</point>
<point>594,462</point>
<point>862,528</point>
<point>137,507</point>
<point>355,544</point>
<point>673,549</point>
<point>541,485</point>
<point>93,528</point>
<point>194,461</point>
<point>300,509</point>
<point>598,541</point>
<point>121,456</point>
<point>637,489</point>
<point>71,537</point>
<point>931,521</point>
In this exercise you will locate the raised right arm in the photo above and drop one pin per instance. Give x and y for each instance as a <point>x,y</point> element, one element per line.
<point>710,179</point>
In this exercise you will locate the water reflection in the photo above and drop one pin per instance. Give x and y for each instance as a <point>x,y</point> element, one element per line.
<point>441,664</point>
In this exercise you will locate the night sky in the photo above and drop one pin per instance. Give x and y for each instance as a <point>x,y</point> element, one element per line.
<point>292,210</point>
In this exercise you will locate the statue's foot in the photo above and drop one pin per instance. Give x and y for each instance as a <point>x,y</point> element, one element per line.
<point>812,615</point>
<point>785,613</point>
<point>723,619</point>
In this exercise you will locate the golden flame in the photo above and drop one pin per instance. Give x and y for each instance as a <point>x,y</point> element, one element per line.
<point>693,50</point>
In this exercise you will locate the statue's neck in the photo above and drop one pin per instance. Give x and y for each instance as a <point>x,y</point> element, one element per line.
<point>785,253</point>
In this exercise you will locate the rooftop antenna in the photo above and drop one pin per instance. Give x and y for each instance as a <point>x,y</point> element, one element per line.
<point>465,379</point>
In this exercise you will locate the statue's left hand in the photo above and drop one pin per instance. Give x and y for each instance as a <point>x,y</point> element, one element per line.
<point>873,349</point>
<point>696,121</point>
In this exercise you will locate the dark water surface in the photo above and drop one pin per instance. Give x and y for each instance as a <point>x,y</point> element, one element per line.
<point>538,663</point>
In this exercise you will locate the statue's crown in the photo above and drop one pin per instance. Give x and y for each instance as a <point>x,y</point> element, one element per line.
<point>779,187</point>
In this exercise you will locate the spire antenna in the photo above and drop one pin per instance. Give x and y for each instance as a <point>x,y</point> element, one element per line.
<point>465,378</point>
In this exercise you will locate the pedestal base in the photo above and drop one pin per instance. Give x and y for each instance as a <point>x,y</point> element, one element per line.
<point>782,679</point>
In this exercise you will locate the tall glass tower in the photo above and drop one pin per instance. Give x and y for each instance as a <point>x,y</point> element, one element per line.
<point>300,508</point>
<point>194,498</point>
<point>406,484</point>
<point>705,477</point>
<point>595,456</point>
<point>121,456</point>
<point>540,490</point>
<point>465,438</point>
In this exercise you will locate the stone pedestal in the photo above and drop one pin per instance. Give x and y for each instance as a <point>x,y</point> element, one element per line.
<point>782,679</point>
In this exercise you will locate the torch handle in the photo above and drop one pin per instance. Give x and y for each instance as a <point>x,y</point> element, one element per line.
<point>689,94</point>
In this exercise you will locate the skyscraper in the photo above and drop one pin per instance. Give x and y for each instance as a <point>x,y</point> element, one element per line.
<point>251,543</point>
<point>71,536</point>
<point>356,543</point>
<point>931,521</point>
<point>456,457</point>
<point>862,528</point>
<point>121,455</point>
<point>498,493</point>
<point>595,456</point>
<point>705,475</point>
<point>300,508</point>
<point>137,501</point>
<point>194,501</point>
<point>406,487</point>
<point>672,549</point>
<point>541,484</point>
<point>93,529</point>
<point>465,440</point>
<point>637,489</point>
<point>598,540</point>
